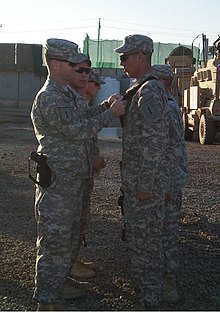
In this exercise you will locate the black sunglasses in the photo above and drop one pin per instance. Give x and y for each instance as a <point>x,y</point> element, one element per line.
<point>124,57</point>
<point>80,70</point>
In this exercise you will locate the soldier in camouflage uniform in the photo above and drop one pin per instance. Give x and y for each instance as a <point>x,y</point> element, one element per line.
<point>144,170</point>
<point>81,269</point>
<point>62,128</point>
<point>177,155</point>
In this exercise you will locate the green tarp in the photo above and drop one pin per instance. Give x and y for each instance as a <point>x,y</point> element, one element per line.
<point>102,55</point>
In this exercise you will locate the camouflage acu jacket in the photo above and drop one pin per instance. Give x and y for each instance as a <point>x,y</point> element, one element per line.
<point>64,125</point>
<point>145,138</point>
<point>177,153</point>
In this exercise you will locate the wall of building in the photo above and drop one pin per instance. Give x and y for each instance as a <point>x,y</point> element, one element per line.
<point>18,89</point>
<point>22,73</point>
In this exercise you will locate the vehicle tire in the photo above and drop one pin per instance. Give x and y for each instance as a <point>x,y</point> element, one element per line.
<point>207,130</point>
<point>188,132</point>
<point>196,128</point>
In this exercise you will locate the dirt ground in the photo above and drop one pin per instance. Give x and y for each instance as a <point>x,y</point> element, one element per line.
<point>111,290</point>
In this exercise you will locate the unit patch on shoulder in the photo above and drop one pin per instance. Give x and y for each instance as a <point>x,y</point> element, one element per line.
<point>150,111</point>
<point>65,112</point>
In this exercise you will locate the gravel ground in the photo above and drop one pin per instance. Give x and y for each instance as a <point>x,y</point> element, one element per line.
<point>111,290</point>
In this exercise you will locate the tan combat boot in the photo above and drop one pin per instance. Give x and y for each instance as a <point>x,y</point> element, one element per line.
<point>42,306</point>
<point>88,264</point>
<point>170,293</point>
<point>82,270</point>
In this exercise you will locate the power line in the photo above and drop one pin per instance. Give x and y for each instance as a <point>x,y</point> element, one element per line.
<point>157,32</point>
<point>164,29</point>
<point>40,30</point>
<point>49,22</point>
<point>153,26</point>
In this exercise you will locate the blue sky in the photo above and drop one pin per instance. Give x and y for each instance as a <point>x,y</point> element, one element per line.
<point>166,21</point>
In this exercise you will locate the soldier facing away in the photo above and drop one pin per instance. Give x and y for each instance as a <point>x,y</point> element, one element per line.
<point>83,270</point>
<point>177,156</point>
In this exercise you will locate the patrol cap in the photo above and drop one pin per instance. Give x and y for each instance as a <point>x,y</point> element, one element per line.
<point>87,59</point>
<point>136,43</point>
<point>62,49</point>
<point>163,71</point>
<point>94,76</point>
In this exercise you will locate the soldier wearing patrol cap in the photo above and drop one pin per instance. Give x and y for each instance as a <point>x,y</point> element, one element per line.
<point>93,86</point>
<point>63,128</point>
<point>177,155</point>
<point>94,76</point>
<point>163,71</point>
<point>136,44</point>
<point>144,169</point>
<point>83,270</point>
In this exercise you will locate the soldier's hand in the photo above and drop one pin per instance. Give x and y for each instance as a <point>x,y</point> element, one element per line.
<point>118,108</point>
<point>114,97</point>
<point>143,196</point>
<point>98,162</point>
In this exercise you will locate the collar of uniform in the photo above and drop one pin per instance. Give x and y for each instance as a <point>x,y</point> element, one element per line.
<point>59,87</point>
<point>69,91</point>
<point>149,74</point>
<point>139,81</point>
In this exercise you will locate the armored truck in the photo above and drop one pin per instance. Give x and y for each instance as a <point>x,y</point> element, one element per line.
<point>198,91</point>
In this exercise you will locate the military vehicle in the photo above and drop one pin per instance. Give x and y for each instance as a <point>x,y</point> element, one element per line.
<point>198,90</point>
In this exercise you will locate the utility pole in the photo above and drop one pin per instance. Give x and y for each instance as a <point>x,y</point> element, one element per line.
<point>99,27</point>
<point>193,42</point>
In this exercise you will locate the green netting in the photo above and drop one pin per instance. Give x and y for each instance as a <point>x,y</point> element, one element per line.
<point>102,53</point>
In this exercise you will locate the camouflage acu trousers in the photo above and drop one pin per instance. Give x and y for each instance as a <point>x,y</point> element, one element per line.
<point>58,211</point>
<point>88,186</point>
<point>171,234</point>
<point>144,226</point>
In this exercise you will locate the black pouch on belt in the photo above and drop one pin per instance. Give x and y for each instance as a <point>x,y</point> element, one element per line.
<point>42,169</point>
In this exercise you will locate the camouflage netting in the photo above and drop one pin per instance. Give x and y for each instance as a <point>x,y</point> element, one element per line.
<point>102,53</point>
